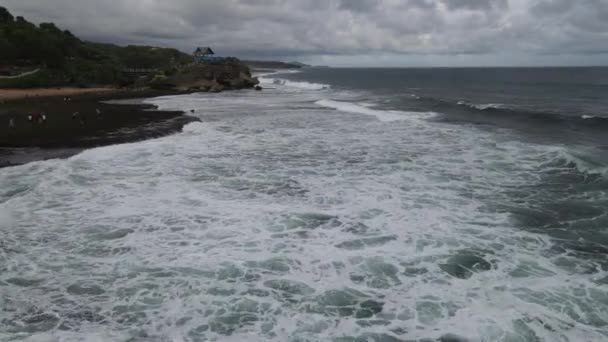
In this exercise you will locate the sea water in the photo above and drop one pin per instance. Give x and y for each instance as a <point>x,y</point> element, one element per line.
<point>335,205</point>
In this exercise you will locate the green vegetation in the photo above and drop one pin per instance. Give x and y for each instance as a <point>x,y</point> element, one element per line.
<point>66,60</point>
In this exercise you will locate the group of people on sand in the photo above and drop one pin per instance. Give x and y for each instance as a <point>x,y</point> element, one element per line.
<point>32,118</point>
<point>40,118</point>
<point>37,118</point>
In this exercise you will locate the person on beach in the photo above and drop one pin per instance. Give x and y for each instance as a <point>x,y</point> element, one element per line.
<point>11,123</point>
<point>98,112</point>
<point>34,118</point>
<point>80,118</point>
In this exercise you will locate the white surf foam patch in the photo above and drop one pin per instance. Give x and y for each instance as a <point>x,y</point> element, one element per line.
<point>482,106</point>
<point>382,115</point>
<point>293,84</point>
<point>581,159</point>
<point>6,217</point>
<point>586,117</point>
<point>275,72</point>
<point>223,226</point>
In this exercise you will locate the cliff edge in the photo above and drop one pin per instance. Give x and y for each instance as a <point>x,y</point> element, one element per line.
<point>213,76</point>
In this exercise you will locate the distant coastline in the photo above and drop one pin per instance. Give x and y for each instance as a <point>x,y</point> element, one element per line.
<point>53,94</point>
<point>274,65</point>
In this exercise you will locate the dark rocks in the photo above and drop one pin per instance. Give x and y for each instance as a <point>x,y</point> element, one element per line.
<point>258,88</point>
<point>228,74</point>
<point>215,88</point>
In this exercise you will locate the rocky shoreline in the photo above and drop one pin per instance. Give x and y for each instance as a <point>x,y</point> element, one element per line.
<point>34,126</point>
<point>224,74</point>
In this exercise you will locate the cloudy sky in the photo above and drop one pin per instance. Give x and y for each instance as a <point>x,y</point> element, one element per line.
<point>348,32</point>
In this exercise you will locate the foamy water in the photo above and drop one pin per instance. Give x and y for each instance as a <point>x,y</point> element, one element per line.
<point>290,214</point>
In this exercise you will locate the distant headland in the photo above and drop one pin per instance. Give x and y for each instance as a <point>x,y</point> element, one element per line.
<point>40,56</point>
<point>55,88</point>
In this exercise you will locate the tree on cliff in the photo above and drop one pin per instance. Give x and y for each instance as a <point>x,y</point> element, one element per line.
<point>5,16</point>
<point>68,60</point>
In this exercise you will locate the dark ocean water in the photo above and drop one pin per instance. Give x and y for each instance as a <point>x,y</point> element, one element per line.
<point>564,104</point>
<point>336,205</point>
<point>565,108</point>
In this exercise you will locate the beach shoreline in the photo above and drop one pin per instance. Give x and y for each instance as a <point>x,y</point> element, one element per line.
<point>26,93</point>
<point>77,119</point>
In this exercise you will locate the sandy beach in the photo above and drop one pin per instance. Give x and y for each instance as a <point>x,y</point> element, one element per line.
<point>85,121</point>
<point>14,94</point>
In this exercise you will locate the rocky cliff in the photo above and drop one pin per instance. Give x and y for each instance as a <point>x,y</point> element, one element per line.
<point>214,76</point>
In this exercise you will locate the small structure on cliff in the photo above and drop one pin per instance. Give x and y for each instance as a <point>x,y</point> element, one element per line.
<point>203,54</point>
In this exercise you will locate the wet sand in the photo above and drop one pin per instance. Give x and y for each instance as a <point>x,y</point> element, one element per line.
<point>63,134</point>
<point>13,94</point>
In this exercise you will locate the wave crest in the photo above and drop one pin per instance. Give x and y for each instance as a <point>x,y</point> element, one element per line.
<point>382,115</point>
<point>294,84</point>
<point>482,106</point>
<point>580,161</point>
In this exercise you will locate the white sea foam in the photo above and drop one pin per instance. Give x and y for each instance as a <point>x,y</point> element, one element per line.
<point>276,72</point>
<point>274,221</point>
<point>365,108</point>
<point>482,106</point>
<point>293,84</point>
<point>581,159</point>
<point>585,117</point>
<point>265,80</point>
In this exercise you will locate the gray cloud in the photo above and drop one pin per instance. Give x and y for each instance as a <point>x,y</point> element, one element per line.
<point>475,4</point>
<point>316,28</point>
<point>359,5</point>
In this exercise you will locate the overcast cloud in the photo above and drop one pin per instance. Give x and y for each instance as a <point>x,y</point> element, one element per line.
<point>348,32</point>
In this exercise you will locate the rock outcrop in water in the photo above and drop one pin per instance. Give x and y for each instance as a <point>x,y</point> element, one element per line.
<point>226,74</point>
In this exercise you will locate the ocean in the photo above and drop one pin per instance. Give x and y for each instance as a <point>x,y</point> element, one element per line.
<point>335,205</point>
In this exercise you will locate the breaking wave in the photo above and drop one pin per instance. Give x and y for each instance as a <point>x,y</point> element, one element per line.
<point>511,111</point>
<point>484,106</point>
<point>382,115</point>
<point>580,161</point>
<point>272,220</point>
<point>293,84</point>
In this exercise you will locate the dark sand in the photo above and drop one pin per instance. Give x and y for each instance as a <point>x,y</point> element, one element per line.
<point>63,136</point>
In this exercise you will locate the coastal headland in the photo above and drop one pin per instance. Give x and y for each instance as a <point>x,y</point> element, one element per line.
<point>54,95</point>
